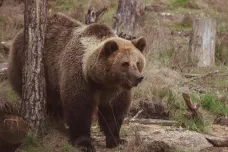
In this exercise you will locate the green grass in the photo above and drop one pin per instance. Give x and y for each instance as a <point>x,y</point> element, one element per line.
<point>165,56</point>
<point>221,83</point>
<point>32,144</point>
<point>2,19</point>
<point>178,3</point>
<point>180,28</point>
<point>107,17</point>
<point>221,53</point>
<point>212,104</point>
<point>69,148</point>
<point>222,27</point>
<point>12,96</point>
<point>184,10</point>
<point>66,5</point>
<point>178,111</point>
<point>148,1</point>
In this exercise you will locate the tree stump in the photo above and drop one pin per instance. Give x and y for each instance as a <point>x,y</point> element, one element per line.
<point>129,15</point>
<point>13,130</point>
<point>202,43</point>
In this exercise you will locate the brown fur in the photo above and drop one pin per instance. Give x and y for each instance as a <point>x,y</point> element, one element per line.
<point>86,67</point>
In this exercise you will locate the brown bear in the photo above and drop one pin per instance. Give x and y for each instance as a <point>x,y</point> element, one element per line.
<point>86,67</point>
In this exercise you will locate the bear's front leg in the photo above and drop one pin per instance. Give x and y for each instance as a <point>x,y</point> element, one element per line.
<point>111,116</point>
<point>78,114</point>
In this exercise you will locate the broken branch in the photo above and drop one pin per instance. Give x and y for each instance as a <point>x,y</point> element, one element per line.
<point>193,108</point>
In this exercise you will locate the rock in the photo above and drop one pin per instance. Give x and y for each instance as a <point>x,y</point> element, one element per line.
<point>151,109</point>
<point>177,138</point>
<point>156,146</point>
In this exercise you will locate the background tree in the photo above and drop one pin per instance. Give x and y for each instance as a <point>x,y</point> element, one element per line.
<point>202,42</point>
<point>130,14</point>
<point>34,96</point>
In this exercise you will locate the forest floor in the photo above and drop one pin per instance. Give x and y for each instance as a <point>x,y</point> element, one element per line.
<point>167,29</point>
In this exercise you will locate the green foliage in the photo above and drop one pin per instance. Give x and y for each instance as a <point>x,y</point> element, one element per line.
<point>165,56</point>
<point>184,10</point>
<point>221,53</point>
<point>181,27</point>
<point>32,144</point>
<point>178,3</point>
<point>68,148</point>
<point>12,96</point>
<point>107,17</point>
<point>178,111</point>
<point>212,104</point>
<point>2,19</point>
<point>66,5</point>
<point>222,27</point>
<point>148,1</point>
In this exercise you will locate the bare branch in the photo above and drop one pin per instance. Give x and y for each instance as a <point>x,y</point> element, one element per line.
<point>92,16</point>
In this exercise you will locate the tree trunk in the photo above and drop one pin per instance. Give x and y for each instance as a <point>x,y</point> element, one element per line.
<point>34,87</point>
<point>202,43</point>
<point>129,16</point>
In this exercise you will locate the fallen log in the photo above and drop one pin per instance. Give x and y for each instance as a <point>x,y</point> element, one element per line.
<point>13,130</point>
<point>154,121</point>
<point>218,142</point>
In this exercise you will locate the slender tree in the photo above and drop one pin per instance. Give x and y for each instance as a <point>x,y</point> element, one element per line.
<point>34,87</point>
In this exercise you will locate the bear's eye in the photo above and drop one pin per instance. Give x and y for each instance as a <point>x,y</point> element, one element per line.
<point>125,64</point>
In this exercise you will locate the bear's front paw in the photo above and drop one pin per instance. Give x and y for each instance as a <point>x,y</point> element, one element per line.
<point>122,141</point>
<point>84,144</point>
<point>112,142</point>
<point>87,149</point>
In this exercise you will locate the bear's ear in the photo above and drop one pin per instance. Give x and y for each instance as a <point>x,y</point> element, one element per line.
<point>139,43</point>
<point>109,47</point>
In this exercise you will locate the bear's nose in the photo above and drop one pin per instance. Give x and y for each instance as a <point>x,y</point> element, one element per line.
<point>139,79</point>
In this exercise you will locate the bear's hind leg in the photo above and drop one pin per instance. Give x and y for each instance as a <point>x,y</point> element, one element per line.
<point>78,114</point>
<point>111,116</point>
<point>54,107</point>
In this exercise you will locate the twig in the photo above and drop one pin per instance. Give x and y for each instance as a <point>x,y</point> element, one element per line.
<point>204,75</point>
<point>137,114</point>
<point>92,16</point>
<point>154,121</point>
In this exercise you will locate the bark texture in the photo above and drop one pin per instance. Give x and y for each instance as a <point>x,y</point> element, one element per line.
<point>129,15</point>
<point>202,43</point>
<point>34,87</point>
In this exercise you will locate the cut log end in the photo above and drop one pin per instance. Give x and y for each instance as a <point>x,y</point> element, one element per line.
<point>13,130</point>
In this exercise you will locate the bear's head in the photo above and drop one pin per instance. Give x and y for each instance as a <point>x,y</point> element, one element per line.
<point>118,63</point>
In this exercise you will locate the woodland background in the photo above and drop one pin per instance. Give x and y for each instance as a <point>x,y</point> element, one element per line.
<point>167,27</point>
